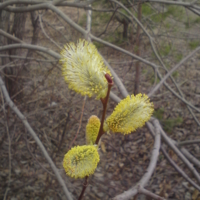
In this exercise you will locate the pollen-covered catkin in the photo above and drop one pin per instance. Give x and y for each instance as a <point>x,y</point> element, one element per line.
<point>131,113</point>
<point>81,161</point>
<point>92,129</point>
<point>84,70</point>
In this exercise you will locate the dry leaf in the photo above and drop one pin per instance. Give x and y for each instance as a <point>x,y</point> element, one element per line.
<point>195,194</point>
<point>103,148</point>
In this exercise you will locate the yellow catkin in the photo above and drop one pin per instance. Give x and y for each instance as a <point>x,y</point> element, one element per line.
<point>131,113</point>
<point>81,161</point>
<point>84,70</point>
<point>92,129</point>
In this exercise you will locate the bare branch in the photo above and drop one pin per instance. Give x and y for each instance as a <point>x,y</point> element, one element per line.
<point>190,157</point>
<point>178,3</point>
<point>51,40</point>
<point>179,169</point>
<point>172,70</point>
<point>35,137</point>
<point>9,147</point>
<point>180,155</point>
<point>144,180</point>
<point>150,194</point>
<point>188,142</point>
<point>38,3</point>
<point>25,58</point>
<point>32,47</point>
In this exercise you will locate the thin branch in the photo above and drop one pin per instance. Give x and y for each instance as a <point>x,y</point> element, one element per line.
<point>116,80</point>
<point>172,70</point>
<point>35,137</point>
<point>158,57</point>
<point>80,122</point>
<point>180,155</point>
<point>81,30</point>
<point>25,58</point>
<point>85,184</point>
<point>179,170</point>
<point>188,142</point>
<point>142,190</point>
<point>32,47</point>
<point>137,72</point>
<point>51,40</point>
<point>9,147</point>
<point>144,180</point>
<point>178,3</point>
<point>38,3</point>
<point>56,55</point>
<point>190,157</point>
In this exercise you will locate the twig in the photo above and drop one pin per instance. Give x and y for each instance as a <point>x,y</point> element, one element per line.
<point>188,142</point>
<point>179,169</point>
<point>85,184</point>
<point>117,81</point>
<point>180,155</point>
<point>41,24</point>
<point>37,159</point>
<point>80,122</point>
<point>144,180</point>
<point>24,58</point>
<point>104,102</point>
<point>31,46</point>
<point>9,147</point>
<point>142,190</point>
<point>158,57</point>
<point>190,157</point>
<point>172,70</point>
<point>101,132</point>
<point>137,72</point>
<point>150,127</point>
<point>81,30</point>
<point>35,137</point>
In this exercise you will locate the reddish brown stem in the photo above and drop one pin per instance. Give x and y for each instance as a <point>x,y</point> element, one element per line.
<point>101,132</point>
<point>104,102</point>
<point>84,187</point>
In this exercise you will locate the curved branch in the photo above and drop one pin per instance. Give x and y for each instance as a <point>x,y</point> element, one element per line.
<point>32,47</point>
<point>144,180</point>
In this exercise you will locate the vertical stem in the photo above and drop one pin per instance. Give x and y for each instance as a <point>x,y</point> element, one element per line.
<point>101,132</point>
<point>104,102</point>
<point>137,75</point>
<point>84,187</point>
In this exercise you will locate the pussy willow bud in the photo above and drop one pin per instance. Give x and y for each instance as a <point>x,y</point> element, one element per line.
<point>84,69</point>
<point>92,129</point>
<point>131,113</point>
<point>81,161</point>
